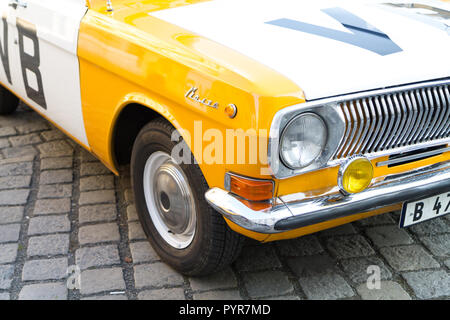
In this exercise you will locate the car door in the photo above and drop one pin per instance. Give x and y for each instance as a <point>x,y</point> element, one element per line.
<point>44,60</point>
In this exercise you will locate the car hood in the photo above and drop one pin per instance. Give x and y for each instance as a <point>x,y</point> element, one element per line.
<point>329,48</point>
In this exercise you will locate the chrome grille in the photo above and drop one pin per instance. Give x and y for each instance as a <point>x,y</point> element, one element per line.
<point>386,122</point>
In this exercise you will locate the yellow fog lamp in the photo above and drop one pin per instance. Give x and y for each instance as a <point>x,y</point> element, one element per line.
<point>355,175</point>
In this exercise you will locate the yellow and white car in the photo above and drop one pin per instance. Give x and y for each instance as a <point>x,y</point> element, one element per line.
<point>263,118</point>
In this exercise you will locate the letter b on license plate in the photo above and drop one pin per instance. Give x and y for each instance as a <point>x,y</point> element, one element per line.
<point>418,211</point>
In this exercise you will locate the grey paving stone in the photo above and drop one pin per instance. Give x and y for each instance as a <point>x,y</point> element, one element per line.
<point>53,135</point>
<point>7,131</point>
<point>6,276</point>
<point>45,269</point>
<point>408,258</point>
<point>35,126</point>
<point>256,258</point>
<point>267,283</point>
<point>288,297</point>
<point>4,143</point>
<point>447,263</point>
<point>107,297</point>
<point>100,280</point>
<point>97,197</point>
<point>11,214</point>
<point>97,183</point>
<point>389,290</point>
<point>156,275</point>
<point>97,213</point>
<point>44,291</point>
<point>98,233</point>
<point>93,169</point>
<point>15,182</point>
<point>56,176</point>
<point>87,157</point>
<point>379,219</point>
<point>8,252</point>
<point>135,231</point>
<point>54,191</point>
<point>326,287</point>
<point>430,227</point>
<point>349,246</point>
<point>24,140</point>
<point>218,295</point>
<point>97,256</point>
<point>129,196</point>
<point>15,168</point>
<point>48,224</point>
<point>52,206</point>
<point>56,163</point>
<point>345,229</point>
<point>356,268</point>
<point>131,213</point>
<point>303,246</point>
<point>9,232</point>
<point>304,267</point>
<point>162,294</point>
<point>58,148</point>
<point>439,245</point>
<point>429,284</point>
<point>387,236</point>
<point>143,252</point>
<point>17,152</point>
<point>224,279</point>
<point>48,245</point>
<point>4,296</point>
<point>14,197</point>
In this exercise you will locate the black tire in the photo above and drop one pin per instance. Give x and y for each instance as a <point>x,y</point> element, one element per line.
<point>214,245</point>
<point>8,102</point>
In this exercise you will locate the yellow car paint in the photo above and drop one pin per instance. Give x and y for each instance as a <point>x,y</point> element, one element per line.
<point>121,64</point>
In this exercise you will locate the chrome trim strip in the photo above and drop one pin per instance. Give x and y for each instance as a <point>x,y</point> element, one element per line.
<point>288,213</point>
<point>413,157</point>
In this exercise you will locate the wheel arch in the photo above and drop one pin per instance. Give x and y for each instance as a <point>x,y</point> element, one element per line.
<point>132,114</point>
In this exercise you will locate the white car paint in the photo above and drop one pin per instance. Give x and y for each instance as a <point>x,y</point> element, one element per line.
<point>57,23</point>
<point>323,67</point>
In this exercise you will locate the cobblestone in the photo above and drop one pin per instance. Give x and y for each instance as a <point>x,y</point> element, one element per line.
<point>97,256</point>
<point>408,258</point>
<point>45,269</point>
<point>388,290</point>
<point>48,245</point>
<point>44,291</point>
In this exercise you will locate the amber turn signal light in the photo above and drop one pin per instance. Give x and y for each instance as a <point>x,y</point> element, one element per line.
<point>249,189</point>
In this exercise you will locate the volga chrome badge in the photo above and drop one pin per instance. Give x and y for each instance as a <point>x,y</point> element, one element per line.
<point>192,95</point>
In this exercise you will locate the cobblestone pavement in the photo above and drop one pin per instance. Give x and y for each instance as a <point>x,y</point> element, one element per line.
<point>60,207</point>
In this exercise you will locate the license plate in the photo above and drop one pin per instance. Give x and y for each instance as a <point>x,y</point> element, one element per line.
<point>415,212</point>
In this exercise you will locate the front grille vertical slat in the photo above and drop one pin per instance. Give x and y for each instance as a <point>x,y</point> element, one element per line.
<point>398,98</point>
<point>428,113</point>
<point>383,122</point>
<point>412,109</point>
<point>386,122</point>
<point>444,114</point>
<point>435,116</point>
<point>354,126</point>
<point>446,130</point>
<point>362,122</point>
<point>418,121</point>
<point>367,125</point>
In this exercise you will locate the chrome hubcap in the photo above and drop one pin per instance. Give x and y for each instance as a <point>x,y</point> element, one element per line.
<point>169,200</point>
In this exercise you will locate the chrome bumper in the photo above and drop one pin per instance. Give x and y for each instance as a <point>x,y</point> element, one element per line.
<point>298,210</point>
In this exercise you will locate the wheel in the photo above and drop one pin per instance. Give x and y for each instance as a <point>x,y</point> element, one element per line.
<point>8,102</point>
<point>183,229</point>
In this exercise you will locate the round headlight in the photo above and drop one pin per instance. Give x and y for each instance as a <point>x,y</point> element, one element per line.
<point>303,140</point>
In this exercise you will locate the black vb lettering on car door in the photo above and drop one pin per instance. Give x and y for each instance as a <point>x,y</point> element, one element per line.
<point>30,59</point>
